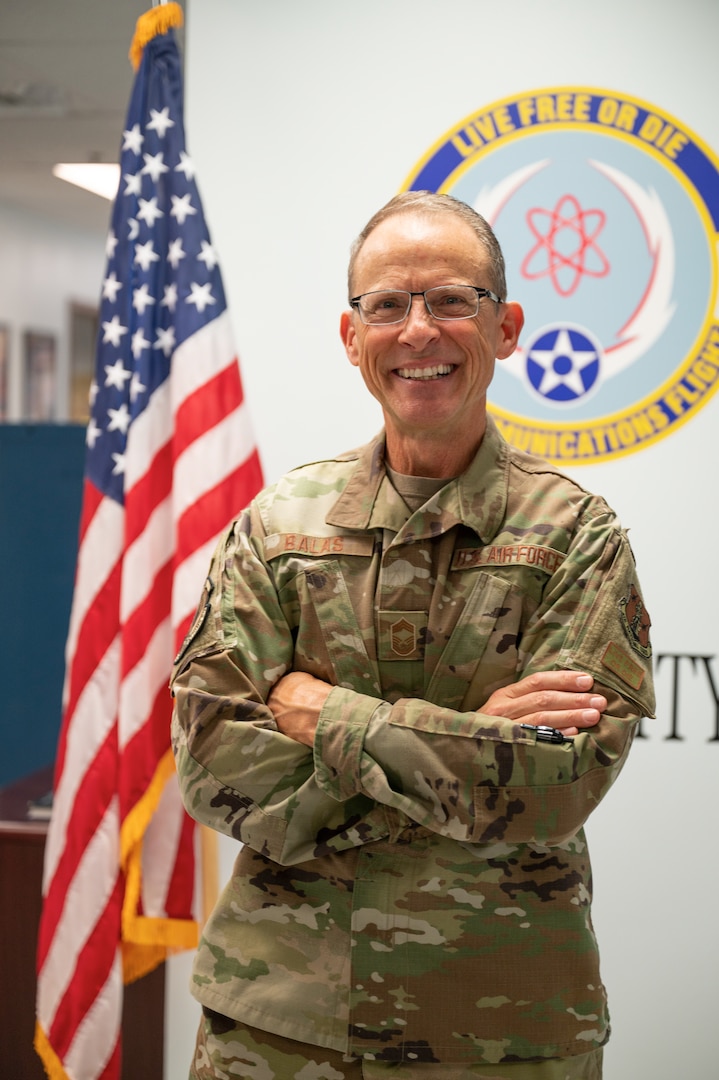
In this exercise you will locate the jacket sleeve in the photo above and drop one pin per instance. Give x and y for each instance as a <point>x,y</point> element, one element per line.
<point>237,773</point>
<point>377,766</point>
<point>485,779</point>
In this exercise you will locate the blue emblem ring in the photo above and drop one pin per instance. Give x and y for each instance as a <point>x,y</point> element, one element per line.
<point>607,209</point>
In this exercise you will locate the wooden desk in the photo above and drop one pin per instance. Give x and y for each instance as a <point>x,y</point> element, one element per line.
<point>22,847</point>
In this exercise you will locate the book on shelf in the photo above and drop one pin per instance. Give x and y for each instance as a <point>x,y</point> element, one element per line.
<point>40,809</point>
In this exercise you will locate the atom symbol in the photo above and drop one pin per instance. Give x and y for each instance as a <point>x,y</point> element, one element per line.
<point>567,236</point>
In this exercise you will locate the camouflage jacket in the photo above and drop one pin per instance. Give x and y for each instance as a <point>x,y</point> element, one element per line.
<point>418,887</point>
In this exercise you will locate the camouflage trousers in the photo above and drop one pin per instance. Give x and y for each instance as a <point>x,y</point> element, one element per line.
<point>229,1050</point>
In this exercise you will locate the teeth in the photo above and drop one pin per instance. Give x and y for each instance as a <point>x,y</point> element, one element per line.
<point>424,373</point>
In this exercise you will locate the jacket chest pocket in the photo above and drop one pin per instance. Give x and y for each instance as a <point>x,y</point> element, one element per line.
<point>481,652</point>
<point>330,625</point>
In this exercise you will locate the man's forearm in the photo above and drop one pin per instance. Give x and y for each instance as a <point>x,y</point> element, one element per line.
<point>558,699</point>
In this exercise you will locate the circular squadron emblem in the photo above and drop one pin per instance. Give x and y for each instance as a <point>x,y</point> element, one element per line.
<point>607,210</point>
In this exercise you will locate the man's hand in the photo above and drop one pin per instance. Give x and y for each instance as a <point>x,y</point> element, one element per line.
<point>559,699</point>
<point>296,701</point>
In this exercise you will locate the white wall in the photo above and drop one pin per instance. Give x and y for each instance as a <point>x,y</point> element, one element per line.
<point>44,268</point>
<point>303,118</point>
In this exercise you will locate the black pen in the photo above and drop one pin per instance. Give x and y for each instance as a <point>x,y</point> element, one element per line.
<point>547,734</point>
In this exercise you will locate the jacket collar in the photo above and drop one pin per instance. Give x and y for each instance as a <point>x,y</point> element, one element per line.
<point>477,498</point>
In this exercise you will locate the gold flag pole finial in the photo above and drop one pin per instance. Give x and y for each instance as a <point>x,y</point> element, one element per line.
<point>158,20</point>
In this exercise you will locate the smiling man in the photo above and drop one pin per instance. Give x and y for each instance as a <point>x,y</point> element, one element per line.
<point>411,678</point>
<point>429,364</point>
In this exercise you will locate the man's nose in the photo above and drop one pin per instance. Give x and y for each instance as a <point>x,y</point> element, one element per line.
<point>419,324</point>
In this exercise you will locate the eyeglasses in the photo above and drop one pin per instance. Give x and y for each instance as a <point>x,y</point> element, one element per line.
<point>388,306</point>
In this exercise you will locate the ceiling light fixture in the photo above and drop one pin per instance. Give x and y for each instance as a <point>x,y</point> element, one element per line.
<point>99,177</point>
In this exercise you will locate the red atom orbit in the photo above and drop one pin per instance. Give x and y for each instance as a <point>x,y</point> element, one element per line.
<point>566,221</point>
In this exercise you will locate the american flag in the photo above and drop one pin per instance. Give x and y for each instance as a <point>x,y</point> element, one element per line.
<point>170,459</point>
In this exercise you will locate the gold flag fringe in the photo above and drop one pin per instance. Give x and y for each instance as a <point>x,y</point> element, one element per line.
<point>146,941</point>
<point>156,21</point>
<point>53,1066</point>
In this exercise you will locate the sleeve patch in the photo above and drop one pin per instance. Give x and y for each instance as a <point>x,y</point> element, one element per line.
<point>198,621</point>
<point>636,622</point>
<point>621,663</point>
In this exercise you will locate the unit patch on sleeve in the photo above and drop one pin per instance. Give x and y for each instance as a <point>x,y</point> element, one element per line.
<point>636,621</point>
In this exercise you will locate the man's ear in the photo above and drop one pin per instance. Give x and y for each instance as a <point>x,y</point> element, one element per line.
<point>511,323</point>
<point>349,337</point>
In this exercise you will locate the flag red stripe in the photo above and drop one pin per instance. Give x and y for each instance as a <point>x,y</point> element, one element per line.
<point>150,490</point>
<point>146,747</point>
<point>112,1069</point>
<point>91,499</point>
<point>182,630</point>
<point>216,508</point>
<point>181,885</point>
<point>141,624</point>
<point>92,798</point>
<point>207,406</point>
<point>97,633</point>
<point>198,414</point>
<point>94,963</point>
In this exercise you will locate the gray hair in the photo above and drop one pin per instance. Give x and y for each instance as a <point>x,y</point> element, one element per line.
<point>428,202</point>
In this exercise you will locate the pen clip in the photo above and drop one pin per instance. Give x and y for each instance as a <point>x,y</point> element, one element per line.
<point>547,734</point>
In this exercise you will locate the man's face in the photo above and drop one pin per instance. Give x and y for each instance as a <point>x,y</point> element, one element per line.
<point>430,376</point>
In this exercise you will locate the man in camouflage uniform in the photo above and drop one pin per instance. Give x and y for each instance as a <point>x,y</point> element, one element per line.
<point>416,669</point>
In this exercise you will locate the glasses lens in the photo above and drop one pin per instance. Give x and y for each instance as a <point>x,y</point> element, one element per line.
<point>452,302</point>
<point>384,307</point>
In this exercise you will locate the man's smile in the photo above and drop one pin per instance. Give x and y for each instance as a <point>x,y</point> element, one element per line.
<point>434,372</point>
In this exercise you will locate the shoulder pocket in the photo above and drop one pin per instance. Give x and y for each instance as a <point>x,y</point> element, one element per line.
<point>203,610</point>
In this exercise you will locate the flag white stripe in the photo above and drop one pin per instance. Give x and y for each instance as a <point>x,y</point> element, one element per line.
<point>96,1035</point>
<point>99,552</point>
<point>141,685</point>
<point>93,719</point>
<point>148,434</point>
<point>144,557</point>
<point>201,357</point>
<point>162,833</point>
<point>211,458</point>
<point>86,899</point>
<point>188,581</point>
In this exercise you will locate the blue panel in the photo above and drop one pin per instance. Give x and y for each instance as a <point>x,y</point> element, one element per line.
<point>41,471</point>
